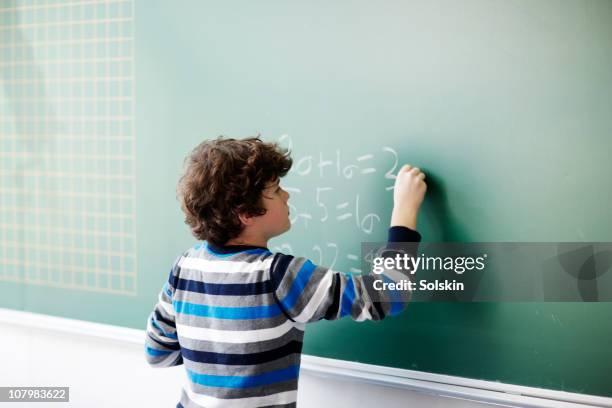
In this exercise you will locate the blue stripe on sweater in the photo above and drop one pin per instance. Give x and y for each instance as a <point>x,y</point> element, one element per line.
<point>232,381</point>
<point>396,302</point>
<point>222,312</point>
<point>299,284</point>
<point>162,331</point>
<point>156,353</point>
<point>348,296</point>
<point>167,290</point>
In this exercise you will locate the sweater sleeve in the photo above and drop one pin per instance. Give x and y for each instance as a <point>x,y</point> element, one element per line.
<point>307,292</point>
<point>162,348</point>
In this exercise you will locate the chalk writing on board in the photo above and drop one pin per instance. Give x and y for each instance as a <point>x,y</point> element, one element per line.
<point>318,185</point>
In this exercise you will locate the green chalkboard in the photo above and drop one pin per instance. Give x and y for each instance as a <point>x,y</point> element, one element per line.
<point>505,105</point>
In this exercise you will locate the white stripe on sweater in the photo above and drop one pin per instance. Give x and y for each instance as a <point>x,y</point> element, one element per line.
<point>320,294</point>
<point>206,265</point>
<point>365,315</point>
<point>396,275</point>
<point>234,336</point>
<point>365,304</point>
<point>168,308</point>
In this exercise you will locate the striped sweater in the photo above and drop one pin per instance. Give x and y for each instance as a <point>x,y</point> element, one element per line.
<point>235,317</point>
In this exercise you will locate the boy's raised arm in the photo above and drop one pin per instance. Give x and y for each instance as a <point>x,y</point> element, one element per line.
<point>307,292</point>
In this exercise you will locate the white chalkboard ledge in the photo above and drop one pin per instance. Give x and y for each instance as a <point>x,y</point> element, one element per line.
<point>434,384</point>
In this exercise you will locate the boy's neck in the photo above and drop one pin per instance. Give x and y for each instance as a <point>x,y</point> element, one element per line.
<point>248,241</point>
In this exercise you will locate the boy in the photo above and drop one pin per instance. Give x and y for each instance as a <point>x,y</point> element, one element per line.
<point>232,311</point>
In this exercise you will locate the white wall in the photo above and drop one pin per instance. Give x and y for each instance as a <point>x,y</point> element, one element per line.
<point>104,366</point>
<point>107,373</point>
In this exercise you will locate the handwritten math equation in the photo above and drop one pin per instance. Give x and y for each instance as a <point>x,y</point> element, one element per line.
<point>318,185</point>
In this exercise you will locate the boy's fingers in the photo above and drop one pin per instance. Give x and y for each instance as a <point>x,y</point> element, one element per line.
<point>415,170</point>
<point>405,167</point>
<point>421,176</point>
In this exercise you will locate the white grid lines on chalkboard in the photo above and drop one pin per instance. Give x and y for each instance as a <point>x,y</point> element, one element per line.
<point>67,216</point>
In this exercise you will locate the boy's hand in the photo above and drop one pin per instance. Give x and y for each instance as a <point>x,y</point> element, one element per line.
<point>408,195</point>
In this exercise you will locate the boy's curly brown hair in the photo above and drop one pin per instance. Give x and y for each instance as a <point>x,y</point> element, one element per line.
<point>224,178</point>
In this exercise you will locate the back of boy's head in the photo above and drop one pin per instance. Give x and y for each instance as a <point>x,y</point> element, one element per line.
<point>224,178</point>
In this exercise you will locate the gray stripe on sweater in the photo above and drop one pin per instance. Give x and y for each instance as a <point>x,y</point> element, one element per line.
<point>266,299</point>
<point>259,391</point>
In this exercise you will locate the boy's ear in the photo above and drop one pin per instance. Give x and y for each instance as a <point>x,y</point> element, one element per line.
<point>246,220</point>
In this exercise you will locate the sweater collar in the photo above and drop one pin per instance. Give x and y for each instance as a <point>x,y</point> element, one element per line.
<point>232,249</point>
